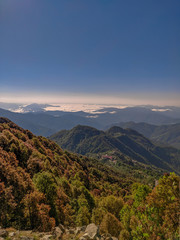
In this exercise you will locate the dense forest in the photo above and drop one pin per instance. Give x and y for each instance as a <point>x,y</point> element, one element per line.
<point>42,186</point>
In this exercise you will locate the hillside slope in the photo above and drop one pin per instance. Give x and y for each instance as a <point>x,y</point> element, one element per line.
<point>31,165</point>
<point>164,134</point>
<point>42,186</point>
<point>126,142</point>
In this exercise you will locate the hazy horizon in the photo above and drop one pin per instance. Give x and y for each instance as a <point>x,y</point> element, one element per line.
<point>90,52</point>
<point>70,98</point>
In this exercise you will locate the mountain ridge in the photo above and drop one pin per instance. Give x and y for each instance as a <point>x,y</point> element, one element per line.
<point>48,122</point>
<point>164,134</point>
<point>125,141</point>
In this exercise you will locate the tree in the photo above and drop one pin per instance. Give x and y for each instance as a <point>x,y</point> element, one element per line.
<point>110,224</point>
<point>164,205</point>
<point>124,235</point>
<point>45,183</point>
<point>7,205</point>
<point>98,214</point>
<point>140,191</point>
<point>112,204</point>
<point>83,216</point>
<point>37,212</point>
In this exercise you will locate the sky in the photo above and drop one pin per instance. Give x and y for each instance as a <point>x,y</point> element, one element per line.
<point>90,51</point>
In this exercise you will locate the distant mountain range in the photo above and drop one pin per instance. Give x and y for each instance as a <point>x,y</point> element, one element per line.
<point>45,123</point>
<point>119,144</point>
<point>168,111</point>
<point>164,134</point>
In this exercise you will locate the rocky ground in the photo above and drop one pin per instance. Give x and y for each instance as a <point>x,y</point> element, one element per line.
<point>60,233</point>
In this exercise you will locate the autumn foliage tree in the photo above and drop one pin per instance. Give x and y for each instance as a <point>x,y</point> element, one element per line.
<point>42,186</point>
<point>36,212</point>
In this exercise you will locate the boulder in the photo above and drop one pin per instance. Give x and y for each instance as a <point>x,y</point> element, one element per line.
<point>62,228</point>
<point>57,232</point>
<point>91,232</point>
<point>12,234</point>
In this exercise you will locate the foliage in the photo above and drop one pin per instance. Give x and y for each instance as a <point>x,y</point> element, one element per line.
<point>42,186</point>
<point>124,149</point>
<point>112,204</point>
<point>110,224</point>
<point>36,212</point>
<point>124,235</point>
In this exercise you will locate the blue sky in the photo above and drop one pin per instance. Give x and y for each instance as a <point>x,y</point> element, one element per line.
<point>96,48</point>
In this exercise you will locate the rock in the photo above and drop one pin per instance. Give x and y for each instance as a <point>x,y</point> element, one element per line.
<point>67,231</point>
<point>78,230</point>
<point>40,235</point>
<point>12,234</point>
<point>83,228</point>
<point>62,228</point>
<point>70,230</point>
<point>47,237</point>
<point>3,233</point>
<point>57,232</point>
<point>107,236</point>
<point>85,237</point>
<point>91,232</point>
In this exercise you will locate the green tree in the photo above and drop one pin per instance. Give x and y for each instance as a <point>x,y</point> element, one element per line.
<point>83,216</point>
<point>45,183</point>
<point>98,214</point>
<point>112,204</point>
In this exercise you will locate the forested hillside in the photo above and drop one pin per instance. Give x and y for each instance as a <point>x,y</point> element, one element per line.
<point>119,144</point>
<point>163,134</point>
<point>42,186</point>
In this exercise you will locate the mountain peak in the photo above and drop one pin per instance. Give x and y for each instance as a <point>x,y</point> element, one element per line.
<point>115,129</point>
